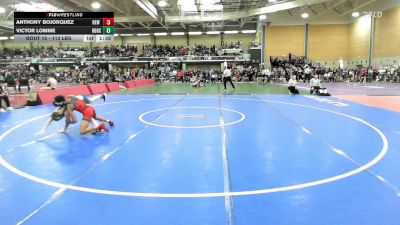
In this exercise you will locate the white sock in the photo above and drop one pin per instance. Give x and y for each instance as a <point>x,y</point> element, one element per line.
<point>94,98</point>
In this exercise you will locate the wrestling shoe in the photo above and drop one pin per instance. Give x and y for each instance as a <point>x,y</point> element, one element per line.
<point>111,123</point>
<point>102,127</point>
<point>103,96</point>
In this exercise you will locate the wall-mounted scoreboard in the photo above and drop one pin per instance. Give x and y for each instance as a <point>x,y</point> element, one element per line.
<point>64,26</point>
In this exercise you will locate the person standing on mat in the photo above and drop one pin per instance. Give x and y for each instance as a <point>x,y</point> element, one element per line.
<point>228,78</point>
<point>4,97</point>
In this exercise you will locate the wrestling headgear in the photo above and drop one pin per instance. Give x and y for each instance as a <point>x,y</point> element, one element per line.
<point>59,100</point>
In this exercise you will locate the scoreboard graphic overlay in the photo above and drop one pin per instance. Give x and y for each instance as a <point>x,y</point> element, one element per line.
<point>64,26</point>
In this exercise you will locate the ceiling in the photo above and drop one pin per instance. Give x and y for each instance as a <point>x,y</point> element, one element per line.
<point>134,16</point>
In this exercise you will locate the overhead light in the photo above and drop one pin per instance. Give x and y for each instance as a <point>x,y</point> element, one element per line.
<point>271,1</point>
<point>249,31</point>
<point>160,34</point>
<point>3,38</point>
<point>231,32</point>
<point>192,6</point>
<point>187,6</point>
<point>116,35</point>
<point>2,10</point>
<point>177,33</point>
<point>162,3</point>
<point>263,17</point>
<point>355,14</point>
<point>195,33</point>
<point>217,7</point>
<point>96,5</point>
<point>143,34</point>
<point>12,37</point>
<point>126,35</point>
<point>210,5</point>
<point>213,32</point>
<point>305,15</point>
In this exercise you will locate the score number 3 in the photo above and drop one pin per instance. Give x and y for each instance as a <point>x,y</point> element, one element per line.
<point>108,21</point>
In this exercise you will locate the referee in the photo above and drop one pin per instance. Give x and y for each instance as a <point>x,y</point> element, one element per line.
<point>228,77</point>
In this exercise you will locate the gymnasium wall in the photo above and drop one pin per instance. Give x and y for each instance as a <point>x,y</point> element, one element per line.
<point>359,32</point>
<point>245,38</point>
<point>387,34</point>
<point>207,40</point>
<point>281,40</point>
<point>14,44</point>
<point>328,42</point>
<point>136,40</point>
<point>171,40</point>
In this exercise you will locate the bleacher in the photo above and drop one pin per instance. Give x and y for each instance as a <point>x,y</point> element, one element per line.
<point>84,55</point>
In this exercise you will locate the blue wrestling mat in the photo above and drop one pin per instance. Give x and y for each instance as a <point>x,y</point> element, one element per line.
<point>204,159</point>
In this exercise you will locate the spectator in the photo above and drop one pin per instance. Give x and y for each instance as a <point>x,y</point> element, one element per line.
<point>180,75</point>
<point>363,75</point>
<point>4,97</point>
<point>51,83</point>
<point>292,86</point>
<point>315,84</point>
<point>307,73</point>
<point>213,76</point>
<point>228,78</point>
<point>197,82</point>
<point>23,81</point>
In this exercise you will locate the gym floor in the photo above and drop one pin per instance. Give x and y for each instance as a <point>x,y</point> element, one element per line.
<point>205,159</point>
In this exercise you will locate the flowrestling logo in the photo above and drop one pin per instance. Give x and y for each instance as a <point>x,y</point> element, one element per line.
<point>375,14</point>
